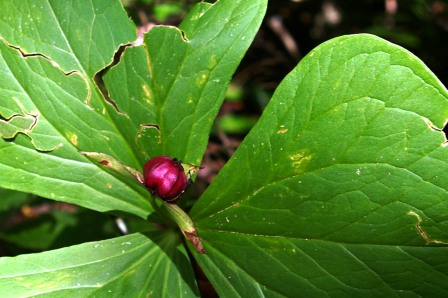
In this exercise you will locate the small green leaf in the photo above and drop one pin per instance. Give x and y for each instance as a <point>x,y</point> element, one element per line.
<point>127,266</point>
<point>340,188</point>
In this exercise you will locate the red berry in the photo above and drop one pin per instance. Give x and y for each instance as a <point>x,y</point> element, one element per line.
<point>165,178</point>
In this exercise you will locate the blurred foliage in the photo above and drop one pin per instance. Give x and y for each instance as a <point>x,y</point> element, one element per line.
<point>157,11</point>
<point>31,224</point>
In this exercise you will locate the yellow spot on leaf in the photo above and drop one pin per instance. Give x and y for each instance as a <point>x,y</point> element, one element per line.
<point>72,138</point>
<point>299,160</point>
<point>200,80</point>
<point>212,62</point>
<point>282,130</point>
<point>147,92</point>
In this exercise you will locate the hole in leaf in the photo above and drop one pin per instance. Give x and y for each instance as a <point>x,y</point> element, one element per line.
<point>445,130</point>
<point>100,82</point>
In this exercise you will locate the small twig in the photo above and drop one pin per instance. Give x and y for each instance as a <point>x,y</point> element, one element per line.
<point>276,25</point>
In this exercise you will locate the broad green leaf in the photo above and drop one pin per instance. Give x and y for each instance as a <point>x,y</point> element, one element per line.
<point>59,93</point>
<point>128,266</point>
<point>171,88</point>
<point>277,266</point>
<point>340,188</point>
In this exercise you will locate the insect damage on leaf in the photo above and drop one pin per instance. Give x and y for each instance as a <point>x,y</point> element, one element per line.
<point>299,161</point>
<point>422,232</point>
<point>100,81</point>
<point>22,111</point>
<point>22,124</point>
<point>16,124</point>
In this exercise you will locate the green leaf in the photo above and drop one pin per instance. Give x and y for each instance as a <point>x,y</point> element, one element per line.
<point>340,188</point>
<point>171,89</point>
<point>70,114</point>
<point>126,266</point>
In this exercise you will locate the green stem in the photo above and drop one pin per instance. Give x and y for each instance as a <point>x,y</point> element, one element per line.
<point>162,212</point>
<point>185,224</point>
<point>174,215</point>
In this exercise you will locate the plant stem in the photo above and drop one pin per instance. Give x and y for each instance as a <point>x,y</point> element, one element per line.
<point>173,215</point>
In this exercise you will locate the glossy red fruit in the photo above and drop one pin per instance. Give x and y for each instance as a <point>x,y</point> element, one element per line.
<point>165,178</point>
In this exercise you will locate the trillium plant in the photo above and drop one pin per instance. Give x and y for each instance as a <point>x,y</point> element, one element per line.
<point>340,189</point>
